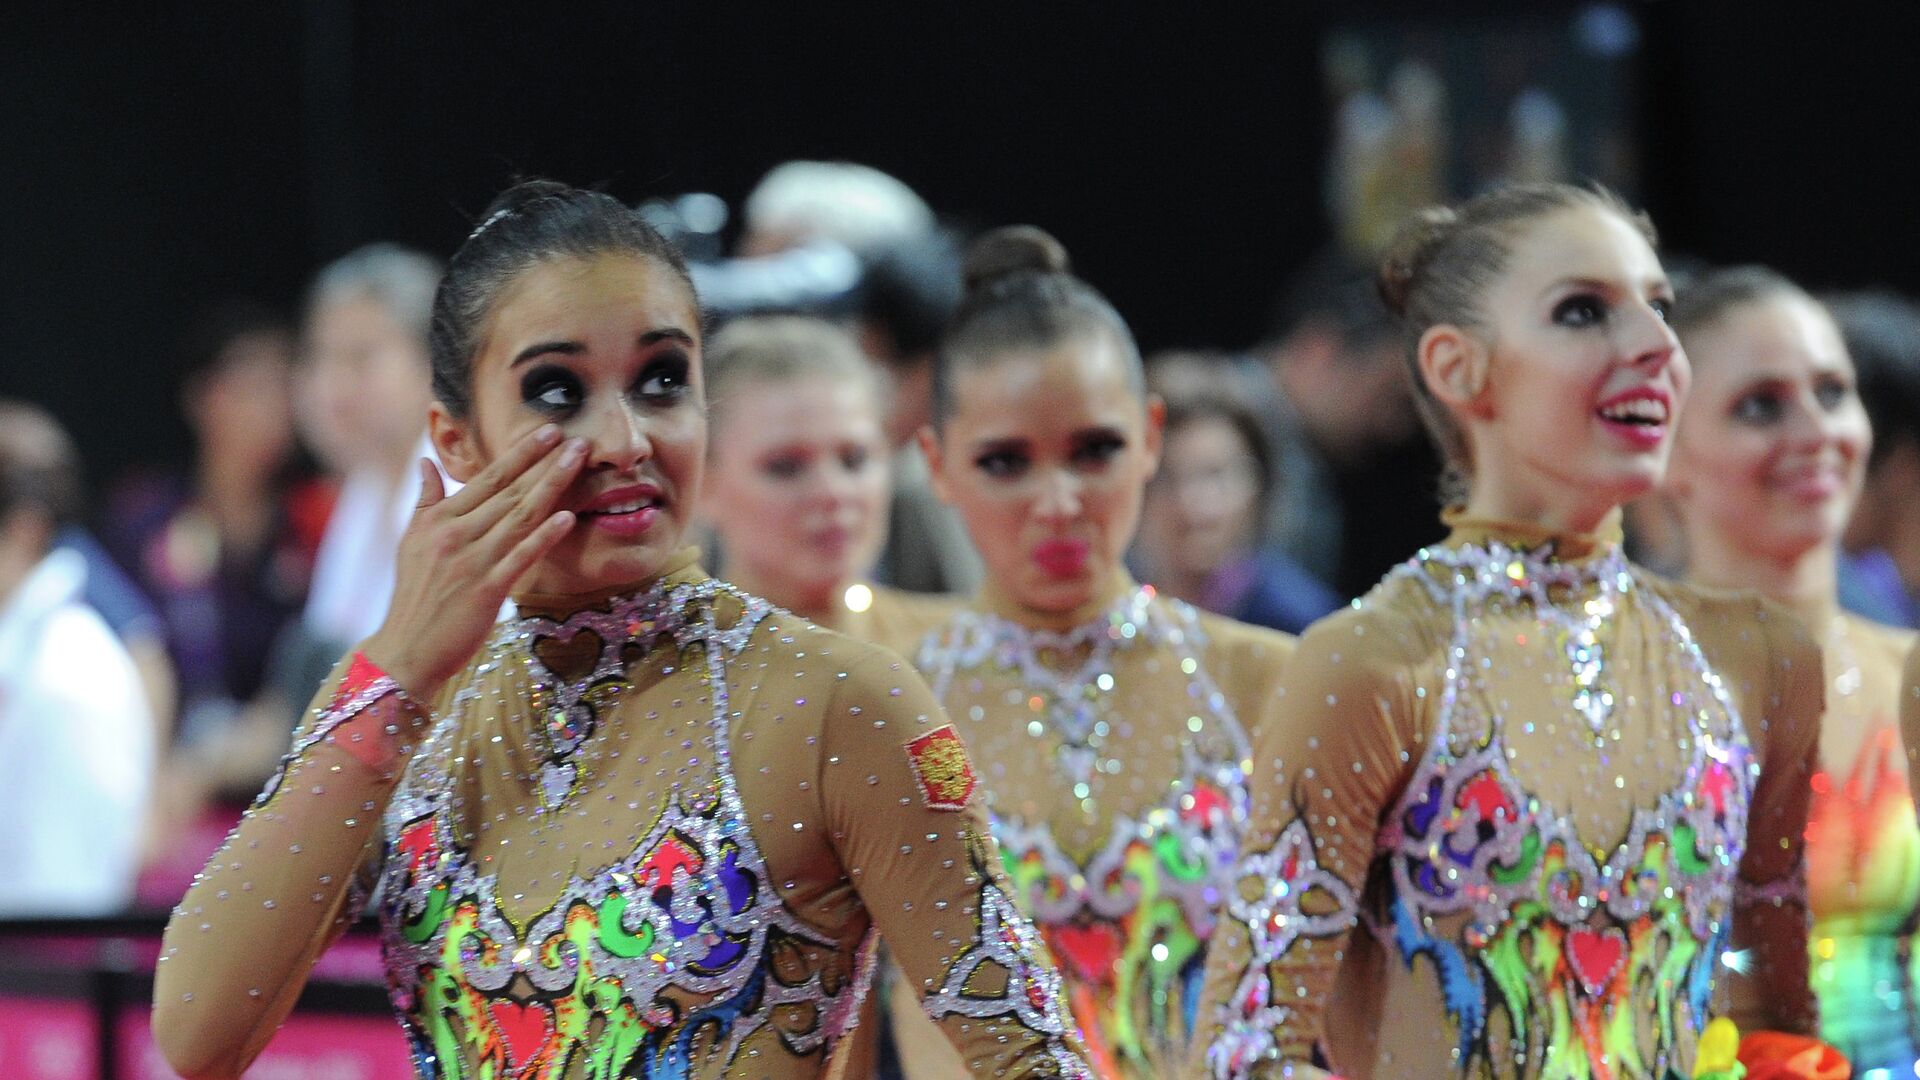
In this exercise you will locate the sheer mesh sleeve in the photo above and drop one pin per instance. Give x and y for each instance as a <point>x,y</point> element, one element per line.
<point>287,881</point>
<point>898,791</point>
<point>1330,756</point>
<point>1771,917</point>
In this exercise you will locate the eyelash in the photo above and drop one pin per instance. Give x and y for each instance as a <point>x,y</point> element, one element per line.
<point>1764,406</point>
<point>1094,453</point>
<point>1586,309</point>
<point>669,371</point>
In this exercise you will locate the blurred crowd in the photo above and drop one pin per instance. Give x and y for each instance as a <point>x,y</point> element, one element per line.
<point>158,637</point>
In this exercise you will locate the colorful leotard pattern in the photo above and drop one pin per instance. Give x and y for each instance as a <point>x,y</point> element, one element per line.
<point>652,835</point>
<point>1516,790</point>
<point>1114,764</point>
<point>1863,863</point>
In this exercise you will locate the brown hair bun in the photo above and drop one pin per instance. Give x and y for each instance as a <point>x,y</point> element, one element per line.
<point>1010,250</point>
<point>1408,253</point>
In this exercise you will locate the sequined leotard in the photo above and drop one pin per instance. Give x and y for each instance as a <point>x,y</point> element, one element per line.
<point>1113,753</point>
<point>1518,803</point>
<point>1863,856</point>
<point>647,836</point>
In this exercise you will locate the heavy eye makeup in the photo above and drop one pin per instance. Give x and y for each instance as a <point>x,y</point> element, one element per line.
<point>1095,448</point>
<point>1003,460</point>
<point>557,390</point>
<point>1832,391</point>
<point>1590,307</point>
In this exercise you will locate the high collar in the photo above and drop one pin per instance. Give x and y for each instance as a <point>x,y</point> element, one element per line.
<point>994,601</point>
<point>1565,547</point>
<point>682,567</point>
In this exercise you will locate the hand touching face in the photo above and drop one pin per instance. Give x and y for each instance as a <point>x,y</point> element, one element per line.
<point>608,349</point>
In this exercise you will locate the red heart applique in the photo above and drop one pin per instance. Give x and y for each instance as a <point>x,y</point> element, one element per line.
<point>524,1029</point>
<point>1091,950</point>
<point>1595,957</point>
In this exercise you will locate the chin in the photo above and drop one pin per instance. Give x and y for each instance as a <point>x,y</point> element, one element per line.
<point>1056,595</point>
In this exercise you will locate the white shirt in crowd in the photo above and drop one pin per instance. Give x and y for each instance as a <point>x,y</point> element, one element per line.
<point>76,751</point>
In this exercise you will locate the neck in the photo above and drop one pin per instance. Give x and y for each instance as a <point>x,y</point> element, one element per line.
<point>1902,542</point>
<point>1805,581</point>
<point>235,495</point>
<point>1567,513</point>
<point>999,601</point>
<point>817,604</point>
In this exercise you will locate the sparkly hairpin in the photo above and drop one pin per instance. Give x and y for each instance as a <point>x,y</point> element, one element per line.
<point>491,218</point>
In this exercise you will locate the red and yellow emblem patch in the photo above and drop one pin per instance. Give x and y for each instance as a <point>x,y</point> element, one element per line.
<point>940,764</point>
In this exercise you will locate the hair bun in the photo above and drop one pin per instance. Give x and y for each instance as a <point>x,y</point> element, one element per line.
<point>1013,249</point>
<point>1408,253</point>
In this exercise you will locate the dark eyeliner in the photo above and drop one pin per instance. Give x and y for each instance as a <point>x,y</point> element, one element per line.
<point>538,383</point>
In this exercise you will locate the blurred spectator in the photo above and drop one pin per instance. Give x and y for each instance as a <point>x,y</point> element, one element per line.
<point>907,285</point>
<point>1205,510</point>
<point>225,551</point>
<point>1350,449</point>
<point>796,480</point>
<point>364,390</point>
<point>1880,578</point>
<point>361,392</point>
<point>76,737</point>
<point>857,207</point>
<point>909,292</point>
<point>133,619</point>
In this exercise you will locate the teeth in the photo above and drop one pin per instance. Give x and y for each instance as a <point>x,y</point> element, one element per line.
<point>626,507</point>
<point>1650,410</point>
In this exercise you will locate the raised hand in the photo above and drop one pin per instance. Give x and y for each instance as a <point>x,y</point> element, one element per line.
<point>461,555</point>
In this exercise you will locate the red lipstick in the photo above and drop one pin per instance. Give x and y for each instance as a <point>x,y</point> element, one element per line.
<point>1062,557</point>
<point>1640,417</point>
<point>626,512</point>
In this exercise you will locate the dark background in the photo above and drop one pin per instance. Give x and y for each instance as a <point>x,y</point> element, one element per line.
<point>156,162</point>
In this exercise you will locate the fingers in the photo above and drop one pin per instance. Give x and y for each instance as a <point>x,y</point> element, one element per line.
<point>508,467</point>
<point>431,489</point>
<point>532,495</point>
<point>531,549</point>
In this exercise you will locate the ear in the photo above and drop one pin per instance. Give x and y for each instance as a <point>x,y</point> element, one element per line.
<point>457,443</point>
<point>936,463</point>
<point>1454,364</point>
<point>1155,432</point>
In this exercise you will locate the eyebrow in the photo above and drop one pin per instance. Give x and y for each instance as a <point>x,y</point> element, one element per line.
<point>575,348</point>
<point>1598,285</point>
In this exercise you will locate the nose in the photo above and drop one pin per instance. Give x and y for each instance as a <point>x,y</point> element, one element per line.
<point>617,437</point>
<point>1811,426</point>
<point>1059,498</point>
<point>1648,338</point>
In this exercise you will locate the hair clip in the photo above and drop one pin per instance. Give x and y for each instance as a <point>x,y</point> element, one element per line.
<point>491,218</point>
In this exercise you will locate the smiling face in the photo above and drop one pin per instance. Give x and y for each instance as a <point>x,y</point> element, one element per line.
<point>608,348</point>
<point>1569,388</point>
<point>1771,452</point>
<point>1045,455</point>
<point>797,487</point>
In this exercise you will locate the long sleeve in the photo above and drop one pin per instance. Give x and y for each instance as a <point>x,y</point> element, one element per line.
<point>238,948</point>
<point>1330,755</point>
<point>1910,719</point>
<point>899,796</point>
<point>1770,916</point>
